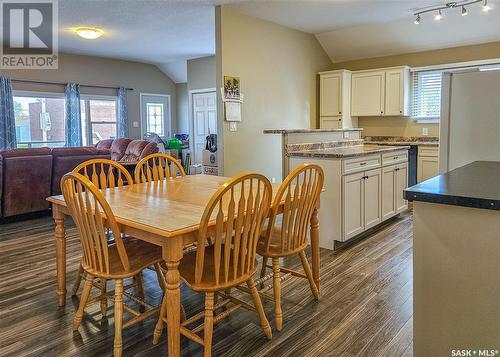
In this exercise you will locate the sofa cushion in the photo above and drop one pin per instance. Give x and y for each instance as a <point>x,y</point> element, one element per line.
<point>79,151</point>
<point>136,149</point>
<point>118,148</point>
<point>25,152</point>
<point>104,144</point>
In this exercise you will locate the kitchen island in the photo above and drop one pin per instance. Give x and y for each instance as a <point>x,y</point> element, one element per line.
<point>363,185</point>
<point>456,247</point>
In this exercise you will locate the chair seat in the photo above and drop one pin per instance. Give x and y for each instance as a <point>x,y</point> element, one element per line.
<point>140,255</point>
<point>274,249</point>
<point>187,269</point>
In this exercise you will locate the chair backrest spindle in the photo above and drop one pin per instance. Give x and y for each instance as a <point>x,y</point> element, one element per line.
<point>158,167</point>
<point>104,173</point>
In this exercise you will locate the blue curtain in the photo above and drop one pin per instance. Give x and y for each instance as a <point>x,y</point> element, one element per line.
<point>7,120</point>
<point>73,116</point>
<point>122,120</point>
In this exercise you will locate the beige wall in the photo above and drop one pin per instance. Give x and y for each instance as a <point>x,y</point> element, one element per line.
<point>141,77</point>
<point>401,126</point>
<point>201,73</point>
<point>181,93</point>
<point>278,69</point>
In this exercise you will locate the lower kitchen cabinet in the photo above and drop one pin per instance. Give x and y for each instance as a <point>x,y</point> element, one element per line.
<point>427,163</point>
<point>362,197</point>
<point>394,181</point>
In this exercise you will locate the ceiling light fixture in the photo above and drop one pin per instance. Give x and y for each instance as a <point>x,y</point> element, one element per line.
<point>89,33</point>
<point>448,6</point>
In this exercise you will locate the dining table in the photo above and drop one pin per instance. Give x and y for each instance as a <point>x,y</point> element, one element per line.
<point>166,213</point>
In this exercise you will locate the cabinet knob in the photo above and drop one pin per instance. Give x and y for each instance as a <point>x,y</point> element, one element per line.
<point>400,112</point>
<point>363,163</point>
<point>381,112</point>
<point>340,112</point>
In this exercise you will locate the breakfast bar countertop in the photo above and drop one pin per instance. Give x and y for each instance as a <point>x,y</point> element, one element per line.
<point>346,151</point>
<point>474,185</point>
<point>402,140</point>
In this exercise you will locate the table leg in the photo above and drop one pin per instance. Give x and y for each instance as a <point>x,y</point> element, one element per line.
<point>172,254</point>
<point>60,236</point>
<point>315,246</point>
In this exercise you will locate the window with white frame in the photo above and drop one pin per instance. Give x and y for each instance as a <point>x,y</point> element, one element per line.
<point>155,118</point>
<point>98,116</point>
<point>39,119</point>
<point>426,98</point>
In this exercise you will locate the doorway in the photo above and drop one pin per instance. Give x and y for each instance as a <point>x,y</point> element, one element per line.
<point>155,114</point>
<point>204,120</point>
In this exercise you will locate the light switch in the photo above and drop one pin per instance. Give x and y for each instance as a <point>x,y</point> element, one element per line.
<point>232,126</point>
<point>425,131</point>
<point>135,124</point>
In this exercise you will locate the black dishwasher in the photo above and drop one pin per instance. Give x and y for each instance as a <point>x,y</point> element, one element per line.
<point>412,165</point>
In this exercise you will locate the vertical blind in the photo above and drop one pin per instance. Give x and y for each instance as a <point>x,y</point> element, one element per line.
<point>426,103</point>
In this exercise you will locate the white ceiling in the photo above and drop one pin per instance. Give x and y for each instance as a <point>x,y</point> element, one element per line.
<point>168,32</point>
<point>355,29</point>
<point>161,32</point>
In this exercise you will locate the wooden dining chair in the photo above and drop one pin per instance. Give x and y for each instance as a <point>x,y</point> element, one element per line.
<point>233,219</point>
<point>123,259</point>
<point>300,193</point>
<point>157,167</point>
<point>104,173</point>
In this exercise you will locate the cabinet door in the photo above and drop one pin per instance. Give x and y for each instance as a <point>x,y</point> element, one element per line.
<point>330,122</point>
<point>427,167</point>
<point>372,198</point>
<point>401,185</point>
<point>368,93</point>
<point>389,187</point>
<point>352,198</point>
<point>394,92</point>
<point>330,88</point>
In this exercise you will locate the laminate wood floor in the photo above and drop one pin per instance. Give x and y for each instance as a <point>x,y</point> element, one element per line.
<point>365,307</point>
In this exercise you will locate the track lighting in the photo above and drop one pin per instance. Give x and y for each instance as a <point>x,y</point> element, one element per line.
<point>448,6</point>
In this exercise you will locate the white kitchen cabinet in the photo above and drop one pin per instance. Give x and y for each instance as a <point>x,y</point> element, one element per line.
<point>397,93</point>
<point>427,163</point>
<point>389,180</point>
<point>368,93</point>
<point>401,185</point>
<point>372,199</point>
<point>353,207</point>
<point>361,196</point>
<point>394,182</point>
<point>381,92</point>
<point>335,100</point>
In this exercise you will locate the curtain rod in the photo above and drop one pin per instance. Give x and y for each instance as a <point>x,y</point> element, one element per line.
<point>63,84</point>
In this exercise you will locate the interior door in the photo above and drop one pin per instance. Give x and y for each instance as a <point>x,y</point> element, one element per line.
<point>204,121</point>
<point>155,116</point>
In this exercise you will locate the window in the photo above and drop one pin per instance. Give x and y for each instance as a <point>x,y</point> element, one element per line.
<point>154,113</point>
<point>426,104</point>
<point>40,119</point>
<point>98,119</point>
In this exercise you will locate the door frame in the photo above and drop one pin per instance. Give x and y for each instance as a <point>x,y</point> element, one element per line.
<point>169,100</point>
<point>191,115</point>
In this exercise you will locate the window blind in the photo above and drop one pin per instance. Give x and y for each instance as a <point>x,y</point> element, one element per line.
<point>426,103</point>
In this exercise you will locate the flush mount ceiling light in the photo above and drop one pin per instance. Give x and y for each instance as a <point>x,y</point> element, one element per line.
<point>89,33</point>
<point>449,6</point>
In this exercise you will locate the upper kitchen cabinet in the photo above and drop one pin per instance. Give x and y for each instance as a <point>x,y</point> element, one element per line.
<point>381,92</point>
<point>368,93</point>
<point>397,91</point>
<point>335,100</point>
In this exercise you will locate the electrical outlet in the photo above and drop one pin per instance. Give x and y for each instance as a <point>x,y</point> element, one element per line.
<point>135,124</point>
<point>273,179</point>
<point>346,135</point>
<point>425,131</point>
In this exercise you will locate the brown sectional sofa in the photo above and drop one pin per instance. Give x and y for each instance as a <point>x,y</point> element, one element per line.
<point>29,176</point>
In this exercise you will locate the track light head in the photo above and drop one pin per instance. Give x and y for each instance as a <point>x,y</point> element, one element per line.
<point>417,20</point>
<point>464,11</point>
<point>485,6</point>
<point>438,16</point>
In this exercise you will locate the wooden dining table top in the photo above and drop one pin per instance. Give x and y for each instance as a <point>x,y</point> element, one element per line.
<point>167,208</point>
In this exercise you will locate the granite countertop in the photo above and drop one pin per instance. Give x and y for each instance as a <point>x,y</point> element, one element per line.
<point>345,151</point>
<point>473,185</point>
<point>400,140</point>
<point>294,131</point>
